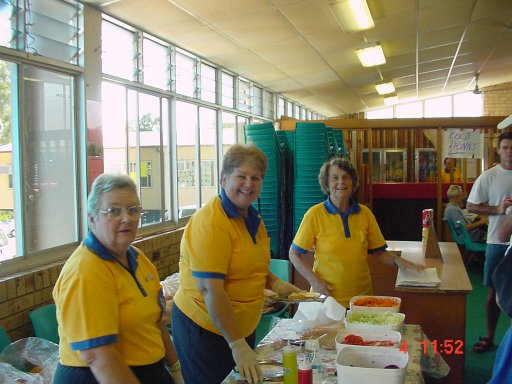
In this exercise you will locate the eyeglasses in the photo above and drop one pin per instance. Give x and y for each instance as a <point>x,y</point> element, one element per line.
<point>114,212</point>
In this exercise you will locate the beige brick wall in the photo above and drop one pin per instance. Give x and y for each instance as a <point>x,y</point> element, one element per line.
<point>498,100</point>
<point>24,292</point>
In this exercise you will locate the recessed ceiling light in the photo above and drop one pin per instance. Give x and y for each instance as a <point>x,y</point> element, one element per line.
<point>385,87</point>
<point>353,15</point>
<point>391,99</point>
<point>371,55</point>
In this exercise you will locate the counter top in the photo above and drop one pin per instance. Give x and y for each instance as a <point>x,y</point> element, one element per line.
<point>450,269</point>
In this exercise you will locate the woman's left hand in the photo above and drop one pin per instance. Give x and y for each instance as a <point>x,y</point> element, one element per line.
<point>405,264</point>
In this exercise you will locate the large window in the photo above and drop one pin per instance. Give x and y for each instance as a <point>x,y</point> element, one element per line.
<point>50,28</point>
<point>117,51</point>
<point>133,143</point>
<point>38,176</point>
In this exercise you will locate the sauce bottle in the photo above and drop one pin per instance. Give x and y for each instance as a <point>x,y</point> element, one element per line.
<point>289,365</point>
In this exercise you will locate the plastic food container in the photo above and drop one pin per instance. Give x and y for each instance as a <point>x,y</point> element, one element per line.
<point>378,335</point>
<point>374,304</point>
<point>374,320</point>
<point>367,365</point>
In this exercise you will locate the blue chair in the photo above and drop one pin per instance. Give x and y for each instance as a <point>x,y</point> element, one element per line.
<point>44,321</point>
<point>5,340</point>
<point>472,247</point>
<point>280,268</point>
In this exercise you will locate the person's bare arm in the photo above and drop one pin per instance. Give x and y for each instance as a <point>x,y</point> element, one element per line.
<point>391,258</point>
<point>107,366</point>
<point>219,307</point>
<point>505,229</point>
<point>487,210</point>
<point>301,265</point>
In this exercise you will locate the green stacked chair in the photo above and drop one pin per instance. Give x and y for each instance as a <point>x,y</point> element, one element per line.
<point>342,148</point>
<point>312,148</point>
<point>264,136</point>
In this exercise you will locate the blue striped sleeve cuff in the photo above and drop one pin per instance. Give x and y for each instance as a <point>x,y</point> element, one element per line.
<point>299,249</point>
<point>93,343</point>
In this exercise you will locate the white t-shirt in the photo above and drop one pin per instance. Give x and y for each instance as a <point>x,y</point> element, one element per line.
<point>492,187</point>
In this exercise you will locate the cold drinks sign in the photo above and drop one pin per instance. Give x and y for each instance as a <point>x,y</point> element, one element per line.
<point>462,143</point>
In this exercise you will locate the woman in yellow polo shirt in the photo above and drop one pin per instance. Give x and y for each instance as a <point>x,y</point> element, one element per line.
<point>343,233</point>
<point>224,268</point>
<point>109,300</point>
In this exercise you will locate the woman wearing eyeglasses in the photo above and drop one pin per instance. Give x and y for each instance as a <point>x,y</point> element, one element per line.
<point>109,300</point>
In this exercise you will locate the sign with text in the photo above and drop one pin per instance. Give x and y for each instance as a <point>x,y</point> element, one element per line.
<point>462,143</point>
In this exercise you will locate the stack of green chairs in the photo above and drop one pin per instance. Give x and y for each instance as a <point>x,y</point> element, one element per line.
<point>333,145</point>
<point>342,148</point>
<point>286,140</point>
<point>312,148</point>
<point>269,205</point>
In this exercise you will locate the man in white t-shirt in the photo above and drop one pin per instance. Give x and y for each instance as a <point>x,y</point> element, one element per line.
<point>491,195</point>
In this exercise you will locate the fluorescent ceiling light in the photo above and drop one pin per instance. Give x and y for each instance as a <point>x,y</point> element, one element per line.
<point>371,55</point>
<point>353,15</point>
<point>391,99</point>
<point>385,88</point>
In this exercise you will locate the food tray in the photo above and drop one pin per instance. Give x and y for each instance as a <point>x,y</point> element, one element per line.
<point>367,366</point>
<point>378,317</point>
<point>368,334</point>
<point>374,308</point>
<point>319,299</point>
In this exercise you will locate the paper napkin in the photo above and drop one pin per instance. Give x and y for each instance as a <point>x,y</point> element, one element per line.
<point>425,278</point>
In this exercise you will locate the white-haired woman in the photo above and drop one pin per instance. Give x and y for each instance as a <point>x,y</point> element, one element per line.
<point>109,300</point>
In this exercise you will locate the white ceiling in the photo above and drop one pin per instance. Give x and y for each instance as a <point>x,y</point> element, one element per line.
<point>297,48</point>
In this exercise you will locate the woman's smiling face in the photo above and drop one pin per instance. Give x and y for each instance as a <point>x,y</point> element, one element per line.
<point>243,186</point>
<point>340,184</point>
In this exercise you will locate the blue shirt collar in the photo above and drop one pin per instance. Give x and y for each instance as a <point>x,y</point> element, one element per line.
<point>99,249</point>
<point>353,207</point>
<point>252,221</point>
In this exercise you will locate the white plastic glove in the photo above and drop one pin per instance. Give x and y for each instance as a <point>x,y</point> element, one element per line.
<point>176,373</point>
<point>176,376</point>
<point>246,361</point>
<point>283,288</point>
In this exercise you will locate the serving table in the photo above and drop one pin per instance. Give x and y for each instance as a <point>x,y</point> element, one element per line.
<point>441,310</point>
<point>430,363</point>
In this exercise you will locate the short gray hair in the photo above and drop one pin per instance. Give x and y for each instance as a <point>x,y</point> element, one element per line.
<point>342,163</point>
<point>453,191</point>
<point>238,154</point>
<point>104,183</point>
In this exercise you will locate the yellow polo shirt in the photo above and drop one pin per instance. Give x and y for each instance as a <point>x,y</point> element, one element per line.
<point>100,302</point>
<point>218,243</point>
<point>342,242</point>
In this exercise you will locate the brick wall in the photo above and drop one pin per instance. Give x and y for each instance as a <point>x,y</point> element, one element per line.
<point>19,294</point>
<point>498,100</point>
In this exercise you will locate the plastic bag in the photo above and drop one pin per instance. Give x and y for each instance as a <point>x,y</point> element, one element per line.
<point>170,285</point>
<point>30,360</point>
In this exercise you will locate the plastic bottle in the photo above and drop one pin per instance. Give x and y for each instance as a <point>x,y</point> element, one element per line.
<point>312,350</point>
<point>305,373</point>
<point>290,374</point>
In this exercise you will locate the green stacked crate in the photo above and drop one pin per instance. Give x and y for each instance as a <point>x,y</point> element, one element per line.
<point>287,141</point>
<point>311,150</point>
<point>342,148</point>
<point>269,204</point>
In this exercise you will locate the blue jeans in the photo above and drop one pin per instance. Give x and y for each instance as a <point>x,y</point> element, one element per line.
<point>205,357</point>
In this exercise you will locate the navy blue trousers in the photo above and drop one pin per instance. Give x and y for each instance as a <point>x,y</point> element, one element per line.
<point>205,357</point>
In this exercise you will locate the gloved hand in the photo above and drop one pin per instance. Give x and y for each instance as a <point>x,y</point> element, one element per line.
<point>246,361</point>
<point>177,378</point>
<point>284,288</point>
<point>176,373</point>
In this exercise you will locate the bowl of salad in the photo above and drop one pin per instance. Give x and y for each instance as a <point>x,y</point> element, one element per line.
<point>375,304</point>
<point>374,320</point>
